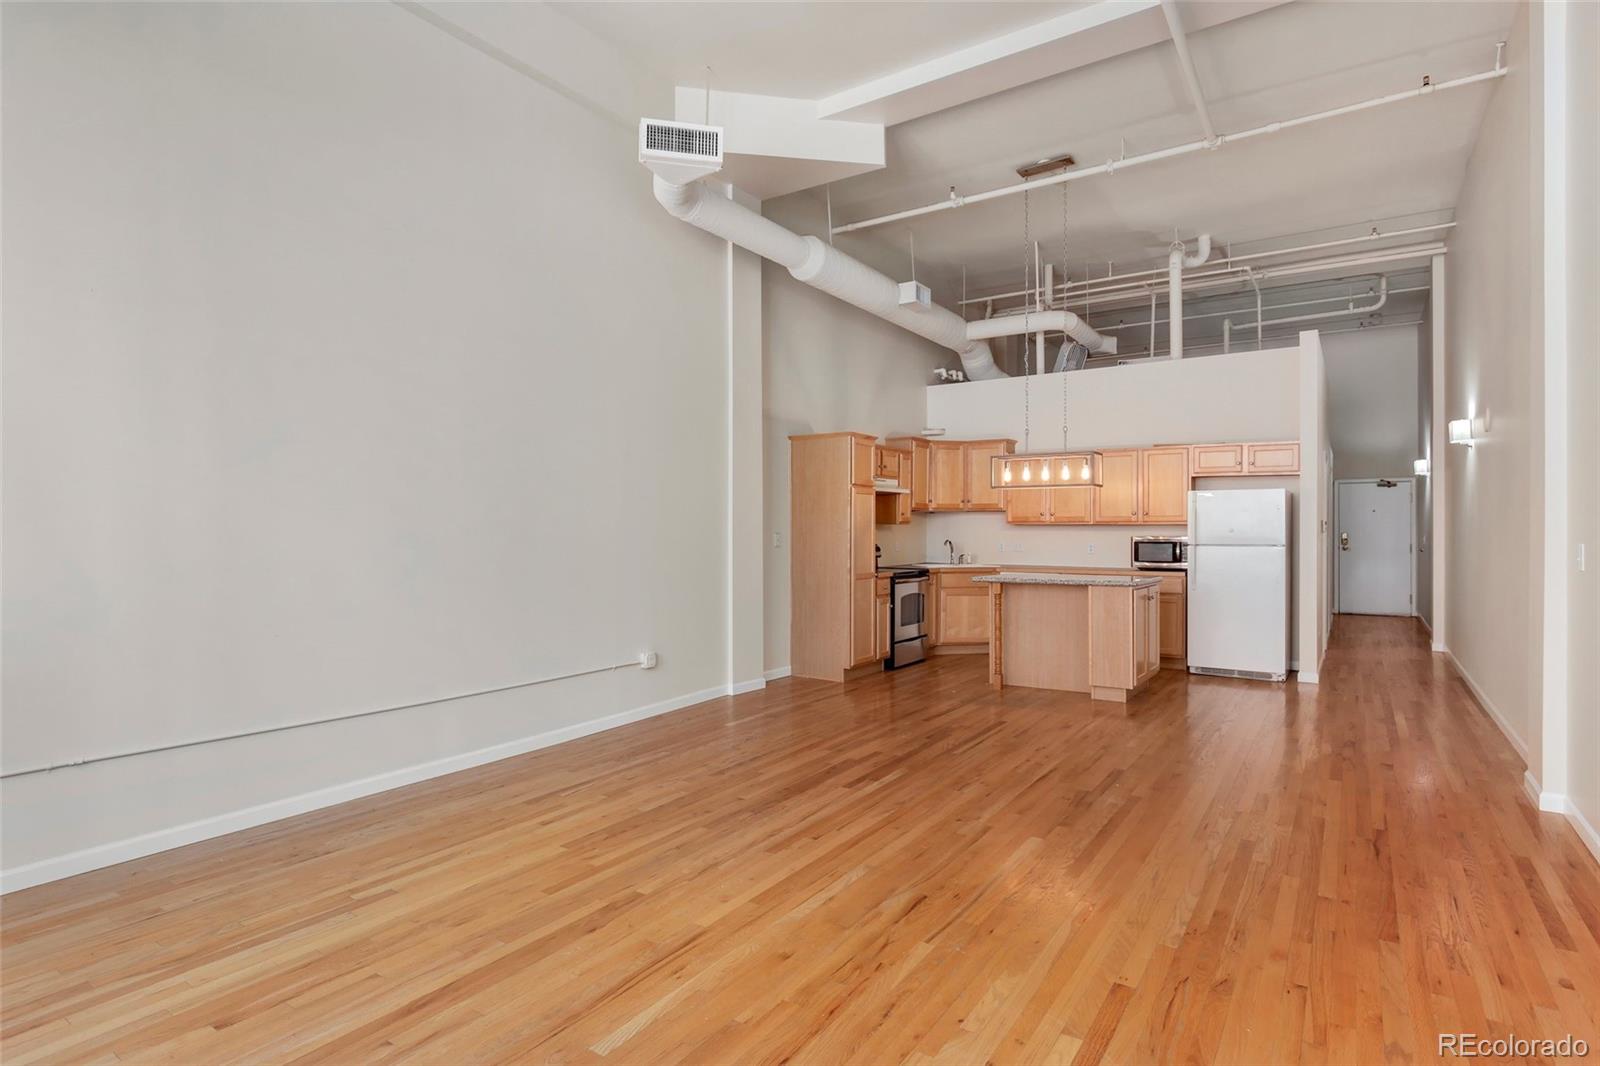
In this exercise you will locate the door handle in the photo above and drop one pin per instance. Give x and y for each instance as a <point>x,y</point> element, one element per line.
<point>1344,542</point>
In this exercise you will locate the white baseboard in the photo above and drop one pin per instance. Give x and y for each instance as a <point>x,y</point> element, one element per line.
<point>77,862</point>
<point>740,687</point>
<point>1425,625</point>
<point>1307,677</point>
<point>1530,785</point>
<point>777,672</point>
<point>1488,705</point>
<point>1585,828</point>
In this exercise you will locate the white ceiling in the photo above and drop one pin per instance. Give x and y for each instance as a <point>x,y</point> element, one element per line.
<point>1402,160</point>
<point>808,50</point>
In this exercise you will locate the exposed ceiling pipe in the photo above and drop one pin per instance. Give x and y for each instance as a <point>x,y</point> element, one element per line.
<point>1376,305</point>
<point>1112,165</point>
<point>1176,261</point>
<point>825,267</point>
<point>1141,323</point>
<point>1066,287</point>
<point>1180,39</point>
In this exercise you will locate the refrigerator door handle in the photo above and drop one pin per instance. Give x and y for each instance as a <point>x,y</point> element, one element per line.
<point>1193,569</point>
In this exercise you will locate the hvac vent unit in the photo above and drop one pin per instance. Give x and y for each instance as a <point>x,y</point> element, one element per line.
<point>679,152</point>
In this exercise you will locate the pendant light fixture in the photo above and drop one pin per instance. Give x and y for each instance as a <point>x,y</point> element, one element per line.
<point>1053,469</point>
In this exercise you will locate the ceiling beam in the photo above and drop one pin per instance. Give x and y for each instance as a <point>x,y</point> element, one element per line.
<point>1086,35</point>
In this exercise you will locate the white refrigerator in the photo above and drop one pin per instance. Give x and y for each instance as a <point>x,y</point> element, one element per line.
<point>1239,583</point>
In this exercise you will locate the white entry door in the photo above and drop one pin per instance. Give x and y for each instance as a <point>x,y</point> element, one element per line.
<point>1373,547</point>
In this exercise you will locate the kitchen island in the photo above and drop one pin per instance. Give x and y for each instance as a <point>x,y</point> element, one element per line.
<point>1098,634</point>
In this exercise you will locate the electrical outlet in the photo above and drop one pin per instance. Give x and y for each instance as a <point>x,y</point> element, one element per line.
<point>647,660</point>
<point>1091,549</point>
<point>777,539</point>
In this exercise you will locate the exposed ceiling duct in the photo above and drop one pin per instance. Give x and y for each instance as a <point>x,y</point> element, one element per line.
<point>680,154</point>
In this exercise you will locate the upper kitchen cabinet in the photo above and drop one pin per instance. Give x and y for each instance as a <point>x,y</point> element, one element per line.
<point>1216,460</point>
<point>981,494</point>
<point>894,508</point>
<point>863,460</point>
<point>958,474</point>
<point>1056,505</point>
<point>1116,501</point>
<point>914,470</point>
<point>1164,485</point>
<point>1279,458</point>
<point>1258,459</point>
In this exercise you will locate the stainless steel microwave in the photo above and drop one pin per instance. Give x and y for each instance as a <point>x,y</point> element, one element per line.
<point>1160,553</point>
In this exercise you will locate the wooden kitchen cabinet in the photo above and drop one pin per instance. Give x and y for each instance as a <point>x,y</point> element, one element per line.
<point>1269,459</point>
<point>1027,506</point>
<point>863,620</point>
<point>863,459</point>
<point>1148,616</point>
<point>1216,460</point>
<point>914,469</point>
<point>981,494</point>
<point>947,476</point>
<point>1174,628</point>
<point>1116,500</point>
<point>881,598</point>
<point>1051,506</point>
<point>958,474</point>
<point>894,464</point>
<point>1164,485</point>
<point>964,616</point>
<point>863,525</point>
<point>1072,506</point>
<point>833,615</point>
<point>960,608</point>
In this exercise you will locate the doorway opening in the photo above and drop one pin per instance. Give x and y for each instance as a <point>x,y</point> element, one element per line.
<point>1374,551</point>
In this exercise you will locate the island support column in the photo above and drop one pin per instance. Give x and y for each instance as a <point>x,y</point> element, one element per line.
<point>997,655</point>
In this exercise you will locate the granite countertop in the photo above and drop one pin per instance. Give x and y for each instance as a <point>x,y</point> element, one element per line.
<point>1110,580</point>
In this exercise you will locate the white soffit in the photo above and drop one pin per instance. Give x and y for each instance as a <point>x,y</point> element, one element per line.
<point>774,145</point>
<point>1068,41</point>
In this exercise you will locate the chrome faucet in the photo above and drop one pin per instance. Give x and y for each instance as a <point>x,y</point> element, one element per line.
<point>952,548</point>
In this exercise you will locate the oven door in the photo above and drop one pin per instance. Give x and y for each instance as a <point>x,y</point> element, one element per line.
<point>910,608</point>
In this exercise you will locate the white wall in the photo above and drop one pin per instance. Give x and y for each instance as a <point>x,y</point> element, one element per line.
<point>830,367</point>
<point>321,395</point>
<point>1423,446</point>
<point>1372,401</point>
<point>1583,400</point>
<point>1494,349</point>
<point>1241,396</point>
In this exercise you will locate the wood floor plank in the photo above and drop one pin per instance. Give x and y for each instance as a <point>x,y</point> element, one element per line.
<point>911,868</point>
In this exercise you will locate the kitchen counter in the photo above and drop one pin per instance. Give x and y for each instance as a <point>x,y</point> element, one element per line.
<point>1120,581</point>
<point>1093,633</point>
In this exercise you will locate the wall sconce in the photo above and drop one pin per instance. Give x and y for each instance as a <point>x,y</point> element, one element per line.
<point>1461,431</point>
<point>1419,467</point>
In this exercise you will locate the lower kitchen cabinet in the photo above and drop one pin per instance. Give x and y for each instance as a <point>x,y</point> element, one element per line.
<point>863,620</point>
<point>882,596</point>
<point>964,616</point>
<point>1174,628</point>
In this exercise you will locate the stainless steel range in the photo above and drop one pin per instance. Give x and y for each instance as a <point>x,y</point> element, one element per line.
<point>908,615</point>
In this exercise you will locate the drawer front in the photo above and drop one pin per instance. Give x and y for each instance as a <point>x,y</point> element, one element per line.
<point>962,579</point>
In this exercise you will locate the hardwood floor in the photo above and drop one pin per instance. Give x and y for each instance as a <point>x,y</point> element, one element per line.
<point>908,868</point>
